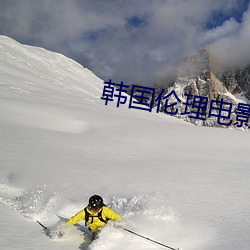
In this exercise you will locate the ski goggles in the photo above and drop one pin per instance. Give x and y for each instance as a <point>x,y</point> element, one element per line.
<point>94,208</point>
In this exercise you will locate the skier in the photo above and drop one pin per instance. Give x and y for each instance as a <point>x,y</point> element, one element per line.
<point>95,214</point>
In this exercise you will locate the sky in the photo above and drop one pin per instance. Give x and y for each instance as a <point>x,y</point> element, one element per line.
<point>135,41</point>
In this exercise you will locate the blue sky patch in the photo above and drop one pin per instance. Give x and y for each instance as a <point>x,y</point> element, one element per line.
<point>136,21</point>
<point>219,17</point>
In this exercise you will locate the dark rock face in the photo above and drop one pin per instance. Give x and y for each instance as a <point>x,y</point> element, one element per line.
<point>237,81</point>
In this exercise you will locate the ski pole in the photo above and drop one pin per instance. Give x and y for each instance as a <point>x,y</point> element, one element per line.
<point>146,238</point>
<point>45,228</point>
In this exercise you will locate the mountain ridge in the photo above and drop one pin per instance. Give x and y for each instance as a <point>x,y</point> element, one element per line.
<point>198,76</point>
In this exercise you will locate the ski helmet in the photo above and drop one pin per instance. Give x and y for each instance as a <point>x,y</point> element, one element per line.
<point>95,202</point>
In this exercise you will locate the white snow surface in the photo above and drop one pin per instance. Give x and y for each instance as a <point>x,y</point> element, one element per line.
<point>182,185</point>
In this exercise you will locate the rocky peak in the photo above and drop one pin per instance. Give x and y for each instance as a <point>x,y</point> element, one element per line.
<point>196,64</point>
<point>198,76</point>
<point>195,77</point>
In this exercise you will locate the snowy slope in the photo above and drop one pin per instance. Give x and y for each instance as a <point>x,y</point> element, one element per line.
<point>182,185</point>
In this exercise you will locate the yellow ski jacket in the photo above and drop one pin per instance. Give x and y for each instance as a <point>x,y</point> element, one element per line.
<point>94,223</point>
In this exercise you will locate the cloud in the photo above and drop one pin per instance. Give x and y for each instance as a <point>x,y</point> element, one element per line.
<point>233,49</point>
<point>133,41</point>
<point>228,28</point>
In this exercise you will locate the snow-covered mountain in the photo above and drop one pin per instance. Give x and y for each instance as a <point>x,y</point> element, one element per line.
<point>183,185</point>
<point>198,76</point>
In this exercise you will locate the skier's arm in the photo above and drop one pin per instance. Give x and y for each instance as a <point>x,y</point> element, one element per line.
<point>77,217</point>
<point>110,214</point>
